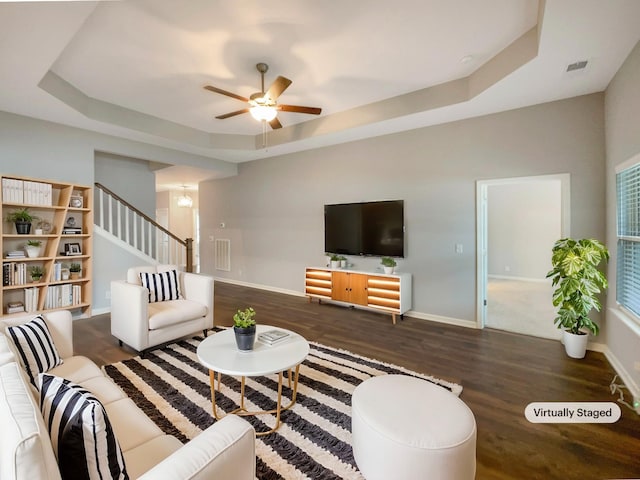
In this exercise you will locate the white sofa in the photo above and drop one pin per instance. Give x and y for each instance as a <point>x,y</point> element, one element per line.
<point>141,324</point>
<point>226,450</point>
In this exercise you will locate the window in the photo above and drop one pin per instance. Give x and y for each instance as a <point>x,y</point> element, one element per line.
<point>628,261</point>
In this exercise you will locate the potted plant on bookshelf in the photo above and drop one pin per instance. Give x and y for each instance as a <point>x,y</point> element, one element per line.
<point>22,219</point>
<point>388,264</point>
<point>32,248</point>
<point>36,272</point>
<point>575,272</point>
<point>74,270</point>
<point>244,326</point>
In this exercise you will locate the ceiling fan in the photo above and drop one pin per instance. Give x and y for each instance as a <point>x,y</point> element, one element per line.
<point>262,104</point>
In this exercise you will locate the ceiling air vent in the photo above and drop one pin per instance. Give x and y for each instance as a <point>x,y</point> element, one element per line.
<point>576,66</point>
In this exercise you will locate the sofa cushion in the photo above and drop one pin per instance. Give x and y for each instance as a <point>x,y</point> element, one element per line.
<point>162,286</point>
<point>132,427</point>
<point>25,447</point>
<point>35,347</point>
<point>146,456</point>
<point>163,314</point>
<point>80,431</point>
<point>6,350</point>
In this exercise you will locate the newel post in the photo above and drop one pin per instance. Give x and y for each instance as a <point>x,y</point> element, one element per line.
<point>189,245</point>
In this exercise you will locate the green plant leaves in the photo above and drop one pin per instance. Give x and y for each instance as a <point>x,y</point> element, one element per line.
<point>575,273</point>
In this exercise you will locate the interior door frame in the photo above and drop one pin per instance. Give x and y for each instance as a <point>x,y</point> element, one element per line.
<point>482,228</point>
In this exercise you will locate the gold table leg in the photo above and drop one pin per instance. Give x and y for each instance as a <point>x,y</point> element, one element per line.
<point>242,411</point>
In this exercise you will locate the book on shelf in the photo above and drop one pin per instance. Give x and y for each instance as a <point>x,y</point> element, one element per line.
<point>71,231</point>
<point>14,307</point>
<point>25,191</point>
<point>15,254</point>
<point>31,297</point>
<point>272,337</point>
<point>14,273</point>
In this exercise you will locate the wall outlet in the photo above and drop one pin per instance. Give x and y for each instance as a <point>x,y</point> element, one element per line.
<point>507,268</point>
<point>459,248</point>
<point>107,295</point>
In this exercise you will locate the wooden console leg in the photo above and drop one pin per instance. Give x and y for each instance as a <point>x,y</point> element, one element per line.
<point>393,318</point>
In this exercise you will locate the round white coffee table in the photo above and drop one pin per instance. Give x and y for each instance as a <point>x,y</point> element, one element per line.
<point>220,354</point>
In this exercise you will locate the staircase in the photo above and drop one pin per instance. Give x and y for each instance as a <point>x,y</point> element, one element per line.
<point>119,218</point>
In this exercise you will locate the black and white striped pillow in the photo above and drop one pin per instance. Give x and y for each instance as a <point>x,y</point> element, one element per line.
<point>35,347</point>
<point>80,431</point>
<point>162,286</point>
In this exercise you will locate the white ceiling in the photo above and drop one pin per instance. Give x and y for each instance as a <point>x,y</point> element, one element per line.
<point>136,68</point>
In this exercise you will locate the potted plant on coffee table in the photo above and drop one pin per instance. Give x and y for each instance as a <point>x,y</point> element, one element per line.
<point>388,264</point>
<point>579,282</point>
<point>244,326</point>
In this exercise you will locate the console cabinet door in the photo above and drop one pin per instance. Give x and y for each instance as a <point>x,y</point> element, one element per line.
<point>349,287</point>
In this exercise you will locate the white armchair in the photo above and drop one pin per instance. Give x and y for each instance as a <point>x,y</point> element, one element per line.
<point>141,322</point>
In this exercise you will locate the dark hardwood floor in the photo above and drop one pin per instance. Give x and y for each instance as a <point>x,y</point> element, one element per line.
<point>500,372</point>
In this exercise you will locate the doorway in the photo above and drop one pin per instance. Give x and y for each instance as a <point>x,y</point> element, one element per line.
<point>519,219</point>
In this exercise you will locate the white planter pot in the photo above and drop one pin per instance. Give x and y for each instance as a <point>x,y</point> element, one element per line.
<point>388,270</point>
<point>31,251</point>
<point>575,345</point>
<point>335,263</point>
<point>343,264</point>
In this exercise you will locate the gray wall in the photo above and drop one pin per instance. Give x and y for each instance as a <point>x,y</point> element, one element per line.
<point>273,210</point>
<point>622,113</point>
<point>524,222</point>
<point>40,149</point>
<point>129,178</point>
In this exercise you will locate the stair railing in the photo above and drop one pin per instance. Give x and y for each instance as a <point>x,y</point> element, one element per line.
<point>124,221</point>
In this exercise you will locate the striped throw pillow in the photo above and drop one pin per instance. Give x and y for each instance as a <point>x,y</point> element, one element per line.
<point>35,347</point>
<point>80,431</point>
<point>162,286</point>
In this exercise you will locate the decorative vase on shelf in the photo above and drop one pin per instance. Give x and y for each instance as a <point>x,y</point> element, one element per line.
<point>31,251</point>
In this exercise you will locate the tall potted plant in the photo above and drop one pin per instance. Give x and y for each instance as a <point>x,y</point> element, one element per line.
<point>244,326</point>
<point>579,282</point>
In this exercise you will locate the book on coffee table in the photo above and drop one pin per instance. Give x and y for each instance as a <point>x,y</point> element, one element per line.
<point>272,337</point>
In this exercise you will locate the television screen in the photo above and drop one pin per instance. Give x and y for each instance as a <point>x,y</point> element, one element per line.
<point>370,228</point>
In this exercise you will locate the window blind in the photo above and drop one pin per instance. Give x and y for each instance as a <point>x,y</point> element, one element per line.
<point>628,232</point>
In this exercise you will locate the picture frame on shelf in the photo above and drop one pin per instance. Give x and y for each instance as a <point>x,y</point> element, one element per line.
<point>76,201</point>
<point>72,249</point>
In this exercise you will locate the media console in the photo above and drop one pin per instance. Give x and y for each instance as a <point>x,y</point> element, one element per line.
<point>386,292</point>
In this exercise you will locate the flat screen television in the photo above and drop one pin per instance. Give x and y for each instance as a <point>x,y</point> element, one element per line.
<point>367,228</point>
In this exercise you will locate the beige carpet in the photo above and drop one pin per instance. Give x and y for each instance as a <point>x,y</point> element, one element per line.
<point>521,306</point>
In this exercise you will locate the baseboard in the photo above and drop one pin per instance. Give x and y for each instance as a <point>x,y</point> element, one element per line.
<point>519,279</point>
<point>441,319</point>
<point>100,311</point>
<point>259,286</point>
<point>622,373</point>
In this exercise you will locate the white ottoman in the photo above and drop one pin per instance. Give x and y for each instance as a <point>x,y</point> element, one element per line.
<point>407,428</point>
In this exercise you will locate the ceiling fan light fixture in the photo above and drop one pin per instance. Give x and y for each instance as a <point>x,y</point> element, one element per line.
<point>263,112</point>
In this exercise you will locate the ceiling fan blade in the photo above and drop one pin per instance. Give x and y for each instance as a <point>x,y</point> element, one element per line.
<point>300,109</point>
<point>232,114</point>
<point>278,86</point>
<point>275,123</point>
<point>224,92</point>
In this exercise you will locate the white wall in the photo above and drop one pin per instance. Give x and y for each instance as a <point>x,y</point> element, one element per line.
<point>622,115</point>
<point>524,221</point>
<point>273,210</point>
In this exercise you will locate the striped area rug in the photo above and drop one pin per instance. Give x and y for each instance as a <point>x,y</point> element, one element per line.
<point>314,439</point>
